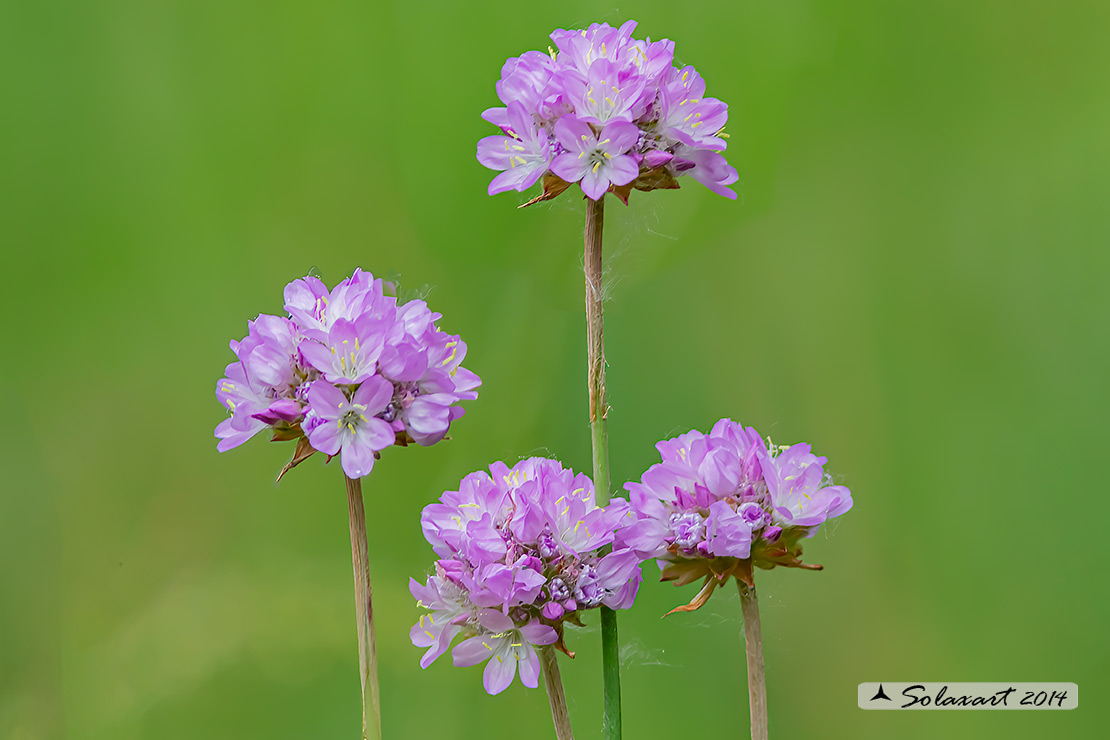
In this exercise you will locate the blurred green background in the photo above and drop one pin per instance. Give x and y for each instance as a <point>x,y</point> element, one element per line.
<point>914,280</point>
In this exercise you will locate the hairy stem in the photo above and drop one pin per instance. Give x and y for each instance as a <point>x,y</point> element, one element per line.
<point>553,682</point>
<point>595,379</point>
<point>364,613</point>
<point>753,643</point>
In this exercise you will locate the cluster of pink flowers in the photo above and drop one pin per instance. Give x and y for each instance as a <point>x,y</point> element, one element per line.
<point>521,551</point>
<point>609,112</point>
<point>524,550</point>
<point>349,369</point>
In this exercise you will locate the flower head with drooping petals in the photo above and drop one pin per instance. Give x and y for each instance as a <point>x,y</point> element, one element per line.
<point>722,502</point>
<point>349,372</point>
<point>599,77</point>
<point>521,552</point>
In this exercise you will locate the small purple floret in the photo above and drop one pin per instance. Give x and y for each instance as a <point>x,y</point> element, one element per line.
<point>688,528</point>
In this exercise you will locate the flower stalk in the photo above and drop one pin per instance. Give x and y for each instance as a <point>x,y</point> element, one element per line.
<point>753,645</point>
<point>364,613</point>
<point>595,364</point>
<point>553,682</point>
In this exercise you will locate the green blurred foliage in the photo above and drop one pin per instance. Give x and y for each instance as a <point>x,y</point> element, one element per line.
<point>914,280</point>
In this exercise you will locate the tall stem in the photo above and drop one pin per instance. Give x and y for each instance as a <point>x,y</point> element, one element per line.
<point>753,644</point>
<point>553,681</point>
<point>364,613</point>
<point>595,379</point>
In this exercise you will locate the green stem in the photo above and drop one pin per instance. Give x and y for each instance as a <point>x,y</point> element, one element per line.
<point>753,644</point>
<point>364,614</point>
<point>595,365</point>
<point>553,681</point>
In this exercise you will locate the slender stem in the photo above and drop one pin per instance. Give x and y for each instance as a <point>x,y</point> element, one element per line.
<point>554,684</point>
<point>595,333</point>
<point>364,613</point>
<point>611,674</point>
<point>753,643</point>
<point>595,379</point>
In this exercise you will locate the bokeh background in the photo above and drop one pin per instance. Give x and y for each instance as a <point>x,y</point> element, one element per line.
<point>913,279</point>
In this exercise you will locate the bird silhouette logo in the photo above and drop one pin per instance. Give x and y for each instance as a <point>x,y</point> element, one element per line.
<point>881,694</point>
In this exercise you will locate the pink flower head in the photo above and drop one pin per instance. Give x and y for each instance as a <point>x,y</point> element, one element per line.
<point>598,77</point>
<point>522,547</point>
<point>348,372</point>
<point>720,502</point>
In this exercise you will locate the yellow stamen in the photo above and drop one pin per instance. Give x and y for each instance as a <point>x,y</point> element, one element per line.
<point>452,345</point>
